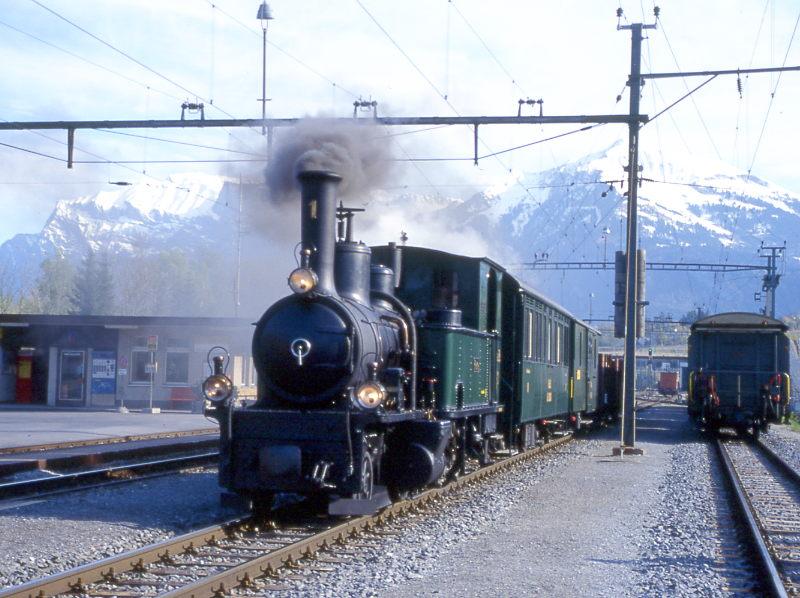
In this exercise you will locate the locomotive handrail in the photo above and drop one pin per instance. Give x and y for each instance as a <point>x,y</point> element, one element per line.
<point>412,331</point>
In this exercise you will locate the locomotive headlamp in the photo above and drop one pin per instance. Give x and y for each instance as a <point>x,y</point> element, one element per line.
<point>217,388</point>
<point>302,280</point>
<point>370,394</point>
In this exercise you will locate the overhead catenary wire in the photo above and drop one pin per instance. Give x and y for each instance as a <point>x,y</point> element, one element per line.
<point>62,160</point>
<point>60,142</point>
<point>302,63</point>
<point>30,151</point>
<point>118,50</point>
<point>727,248</point>
<point>749,65</point>
<point>487,48</point>
<point>683,97</point>
<point>91,62</point>
<point>772,96</point>
<point>176,142</point>
<point>696,107</point>
<point>432,85</point>
<point>129,57</point>
<point>410,60</point>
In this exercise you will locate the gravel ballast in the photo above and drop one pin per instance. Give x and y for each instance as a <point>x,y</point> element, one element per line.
<point>43,536</point>
<point>784,441</point>
<point>579,522</point>
<point>576,521</point>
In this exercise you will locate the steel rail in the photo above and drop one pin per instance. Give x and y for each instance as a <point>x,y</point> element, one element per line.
<point>264,566</point>
<point>78,480</point>
<point>99,571</point>
<point>773,578</point>
<point>779,461</point>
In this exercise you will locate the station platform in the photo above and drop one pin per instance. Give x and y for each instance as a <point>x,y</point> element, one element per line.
<point>33,428</point>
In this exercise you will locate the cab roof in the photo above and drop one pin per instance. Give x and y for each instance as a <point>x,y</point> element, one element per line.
<point>526,288</point>
<point>738,320</point>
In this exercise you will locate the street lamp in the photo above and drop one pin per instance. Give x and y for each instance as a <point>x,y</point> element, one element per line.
<point>591,295</point>
<point>264,15</point>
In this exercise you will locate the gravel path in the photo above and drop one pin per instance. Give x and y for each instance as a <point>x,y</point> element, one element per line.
<point>44,536</point>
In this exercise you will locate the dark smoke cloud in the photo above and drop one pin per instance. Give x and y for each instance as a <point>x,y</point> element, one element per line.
<point>359,152</point>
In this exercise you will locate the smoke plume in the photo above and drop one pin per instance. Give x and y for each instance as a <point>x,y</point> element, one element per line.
<point>358,152</point>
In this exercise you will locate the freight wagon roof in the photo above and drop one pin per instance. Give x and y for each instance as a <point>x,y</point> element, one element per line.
<point>738,320</point>
<point>528,289</point>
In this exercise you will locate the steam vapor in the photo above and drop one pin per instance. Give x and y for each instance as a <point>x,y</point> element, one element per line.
<point>359,153</point>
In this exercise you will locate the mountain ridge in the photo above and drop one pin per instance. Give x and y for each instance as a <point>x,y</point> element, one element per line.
<point>696,211</point>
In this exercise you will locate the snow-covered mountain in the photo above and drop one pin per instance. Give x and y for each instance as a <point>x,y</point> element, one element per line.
<point>127,220</point>
<point>689,211</point>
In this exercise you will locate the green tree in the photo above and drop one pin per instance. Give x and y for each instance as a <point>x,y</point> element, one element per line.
<point>173,282</point>
<point>104,287</point>
<point>94,286</point>
<point>55,286</point>
<point>12,299</point>
<point>691,316</point>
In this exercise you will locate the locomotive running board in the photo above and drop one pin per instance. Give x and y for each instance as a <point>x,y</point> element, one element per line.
<point>360,506</point>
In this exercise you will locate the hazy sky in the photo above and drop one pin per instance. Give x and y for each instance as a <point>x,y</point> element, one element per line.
<point>484,56</point>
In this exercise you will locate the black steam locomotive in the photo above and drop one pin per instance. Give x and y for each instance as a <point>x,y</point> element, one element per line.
<point>389,368</point>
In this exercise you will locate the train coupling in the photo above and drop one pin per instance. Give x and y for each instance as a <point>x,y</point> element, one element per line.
<point>319,474</point>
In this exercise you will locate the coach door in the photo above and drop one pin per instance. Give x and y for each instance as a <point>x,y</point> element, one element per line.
<point>72,378</point>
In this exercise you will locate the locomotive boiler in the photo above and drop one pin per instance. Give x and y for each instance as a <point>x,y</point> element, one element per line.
<point>337,414</point>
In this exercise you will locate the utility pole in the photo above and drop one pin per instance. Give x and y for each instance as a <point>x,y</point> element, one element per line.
<point>628,439</point>
<point>237,281</point>
<point>771,278</point>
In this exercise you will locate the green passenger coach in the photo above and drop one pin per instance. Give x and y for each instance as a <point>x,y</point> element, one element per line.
<point>495,355</point>
<point>549,374</point>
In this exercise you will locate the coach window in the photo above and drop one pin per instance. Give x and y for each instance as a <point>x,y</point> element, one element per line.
<point>549,341</point>
<point>529,344</point>
<point>140,358</point>
<point>177,367</point>
<point>559,342</point>
<point>539,336</point>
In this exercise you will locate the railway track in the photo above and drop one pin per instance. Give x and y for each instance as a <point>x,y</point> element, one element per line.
<point>243,555</point>
<point>766,491</point>
<point>648,401</point>
<point>102,476</point>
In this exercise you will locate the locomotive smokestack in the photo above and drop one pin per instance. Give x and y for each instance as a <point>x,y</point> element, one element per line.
<point>318,223</point>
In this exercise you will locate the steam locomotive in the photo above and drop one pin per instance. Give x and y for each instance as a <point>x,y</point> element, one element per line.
<point>739,371</point>
<point>388,369</point>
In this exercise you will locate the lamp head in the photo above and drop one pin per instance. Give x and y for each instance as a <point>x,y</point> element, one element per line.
<point>264,12</point>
